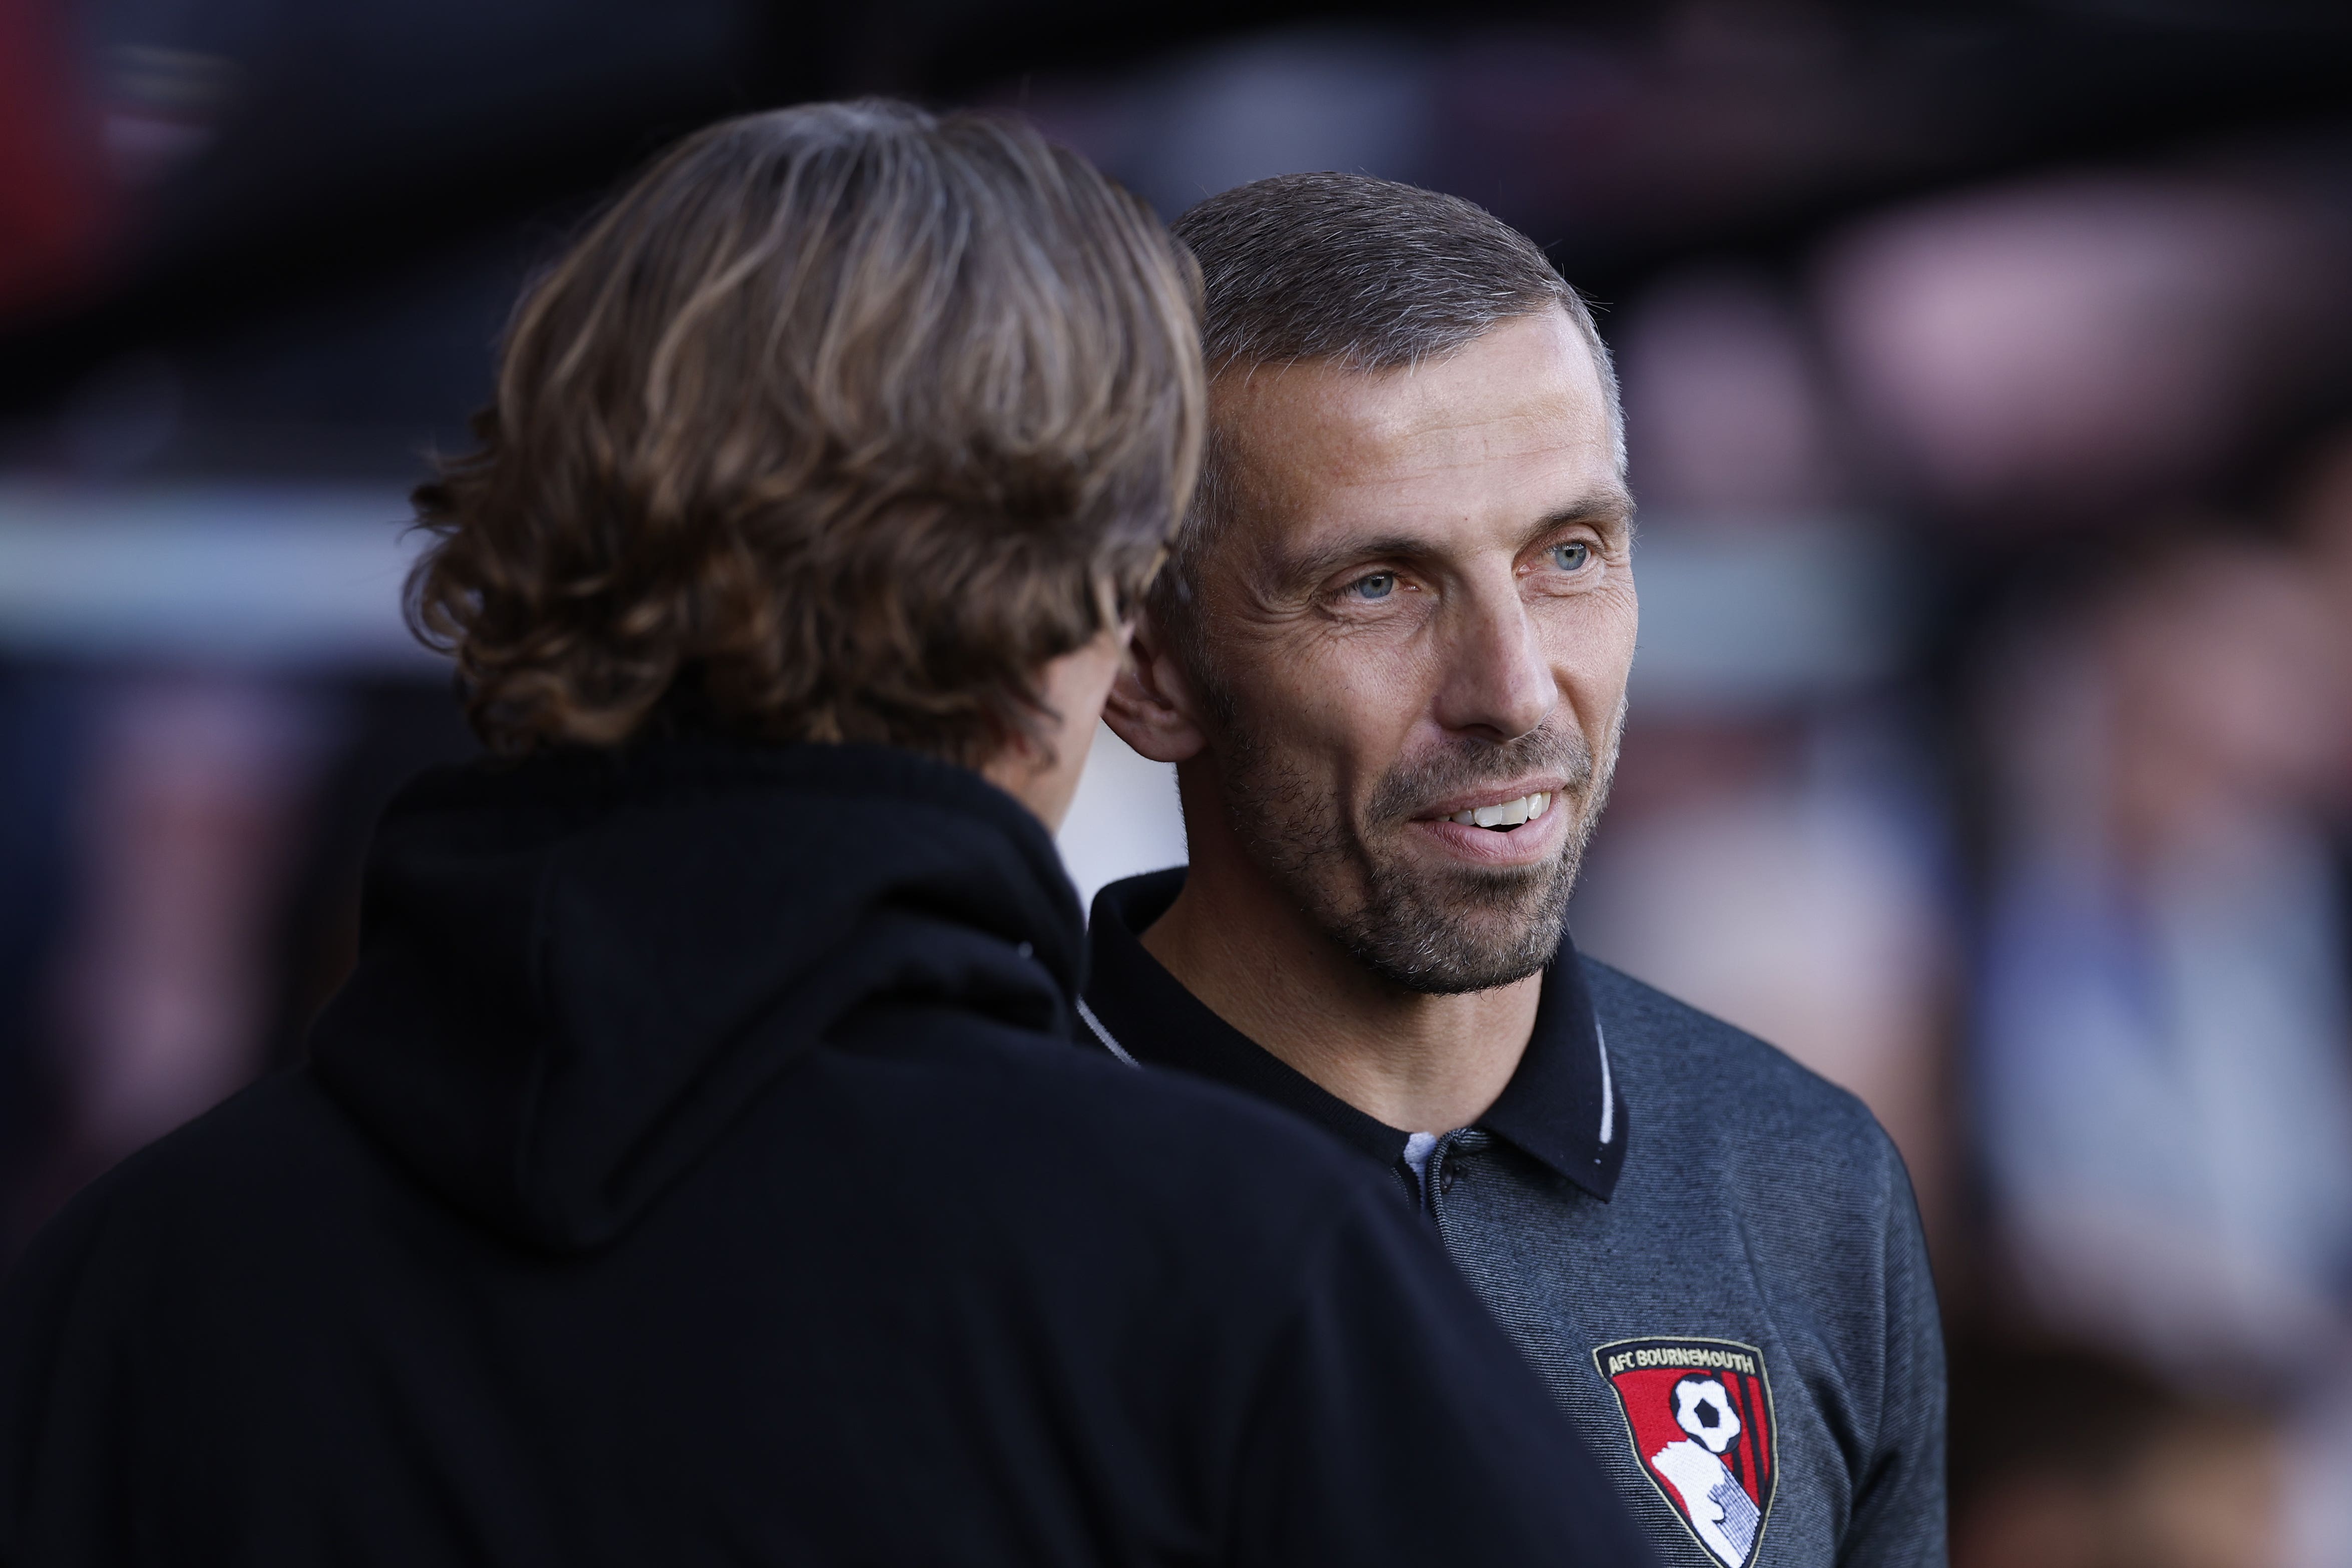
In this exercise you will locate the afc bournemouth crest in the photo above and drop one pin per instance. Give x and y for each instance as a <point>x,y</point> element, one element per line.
<point>1699,1413</point>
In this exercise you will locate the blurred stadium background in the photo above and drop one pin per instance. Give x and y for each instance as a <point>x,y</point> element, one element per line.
<point>1989,371</point>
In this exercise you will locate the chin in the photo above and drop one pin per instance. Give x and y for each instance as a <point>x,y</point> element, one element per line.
<point>1451,975</point>
<point>1458,942</point>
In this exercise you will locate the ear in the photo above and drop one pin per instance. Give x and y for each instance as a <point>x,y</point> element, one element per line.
<point>1150,705</point>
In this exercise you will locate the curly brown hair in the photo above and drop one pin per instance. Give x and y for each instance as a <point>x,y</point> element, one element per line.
<point>838,424</point>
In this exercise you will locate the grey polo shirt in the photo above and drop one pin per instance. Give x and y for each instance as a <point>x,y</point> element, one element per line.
<point>1709,1254</point>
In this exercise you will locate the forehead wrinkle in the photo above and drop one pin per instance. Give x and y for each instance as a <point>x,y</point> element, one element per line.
<point>1462,436</point>
<point>1437,413</point>
<point>1368,442</point>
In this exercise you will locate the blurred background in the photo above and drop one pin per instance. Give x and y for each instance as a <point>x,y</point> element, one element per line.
<point>1990,376</point>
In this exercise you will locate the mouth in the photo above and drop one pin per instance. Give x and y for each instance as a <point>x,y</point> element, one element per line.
<point>1505,815</point>
<point>1490,828</point>
<point>1500,808</point>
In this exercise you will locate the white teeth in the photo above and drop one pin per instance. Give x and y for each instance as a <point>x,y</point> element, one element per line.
<point>1509,814</point>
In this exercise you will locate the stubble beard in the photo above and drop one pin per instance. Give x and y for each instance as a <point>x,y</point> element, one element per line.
<point>1432,930</point>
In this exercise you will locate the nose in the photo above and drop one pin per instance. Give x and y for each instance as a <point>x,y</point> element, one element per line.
<point>1497,683</point>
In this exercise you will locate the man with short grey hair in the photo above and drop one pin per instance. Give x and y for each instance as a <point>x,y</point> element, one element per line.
<point>1390,663</point>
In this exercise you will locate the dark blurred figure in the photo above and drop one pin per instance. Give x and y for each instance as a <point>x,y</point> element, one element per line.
<point>39,723</point>
<point>2052,374</point>
<point>179,871</point>
<point>2069,381</point>
<point>2166,1056</point>
<point>191,808</point>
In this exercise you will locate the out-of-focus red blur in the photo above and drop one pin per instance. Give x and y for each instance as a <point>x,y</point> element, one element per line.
<point>58,205</point>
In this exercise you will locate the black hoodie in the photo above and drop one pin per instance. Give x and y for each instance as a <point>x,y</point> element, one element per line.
<point>697,1169</point>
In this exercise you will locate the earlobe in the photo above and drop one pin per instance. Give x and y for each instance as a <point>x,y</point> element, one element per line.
<point>1149,705</point>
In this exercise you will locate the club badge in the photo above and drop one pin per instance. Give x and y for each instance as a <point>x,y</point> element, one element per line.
<point>1699,1413</point>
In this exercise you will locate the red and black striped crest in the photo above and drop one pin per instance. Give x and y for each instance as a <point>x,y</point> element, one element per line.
<point>1700,1415</point>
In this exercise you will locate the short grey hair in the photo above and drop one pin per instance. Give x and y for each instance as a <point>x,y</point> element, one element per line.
<point>1363,274</point>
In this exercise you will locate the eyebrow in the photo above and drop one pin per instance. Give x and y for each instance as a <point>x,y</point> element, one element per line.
<point>1611,511</point>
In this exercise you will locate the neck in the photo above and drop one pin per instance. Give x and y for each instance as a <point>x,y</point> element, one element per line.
<point>1416,1062</point>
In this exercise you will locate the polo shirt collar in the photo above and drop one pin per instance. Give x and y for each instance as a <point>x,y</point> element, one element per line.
<point>1562,1108</point>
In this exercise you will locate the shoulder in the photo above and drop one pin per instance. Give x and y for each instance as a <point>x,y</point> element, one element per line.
<point>248,1166</point>
<point>231,1234</point>
<point>1794,1166</point>
<point>1701,1082</point>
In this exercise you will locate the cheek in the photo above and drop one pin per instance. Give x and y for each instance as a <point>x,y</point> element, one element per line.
<point>1340,708</point>
<point>1590,643</point>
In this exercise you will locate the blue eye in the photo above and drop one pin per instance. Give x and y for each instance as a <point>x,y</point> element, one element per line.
<point>1379,585</point>
<point>1570,557</point>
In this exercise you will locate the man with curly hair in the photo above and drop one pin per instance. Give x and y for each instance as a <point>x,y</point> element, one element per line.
<point>697,1166</point>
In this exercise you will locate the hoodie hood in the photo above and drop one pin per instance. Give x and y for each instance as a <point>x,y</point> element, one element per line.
<point>575,973</point>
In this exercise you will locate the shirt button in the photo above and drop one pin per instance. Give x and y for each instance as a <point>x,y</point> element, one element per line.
<point>1445,1180</point>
